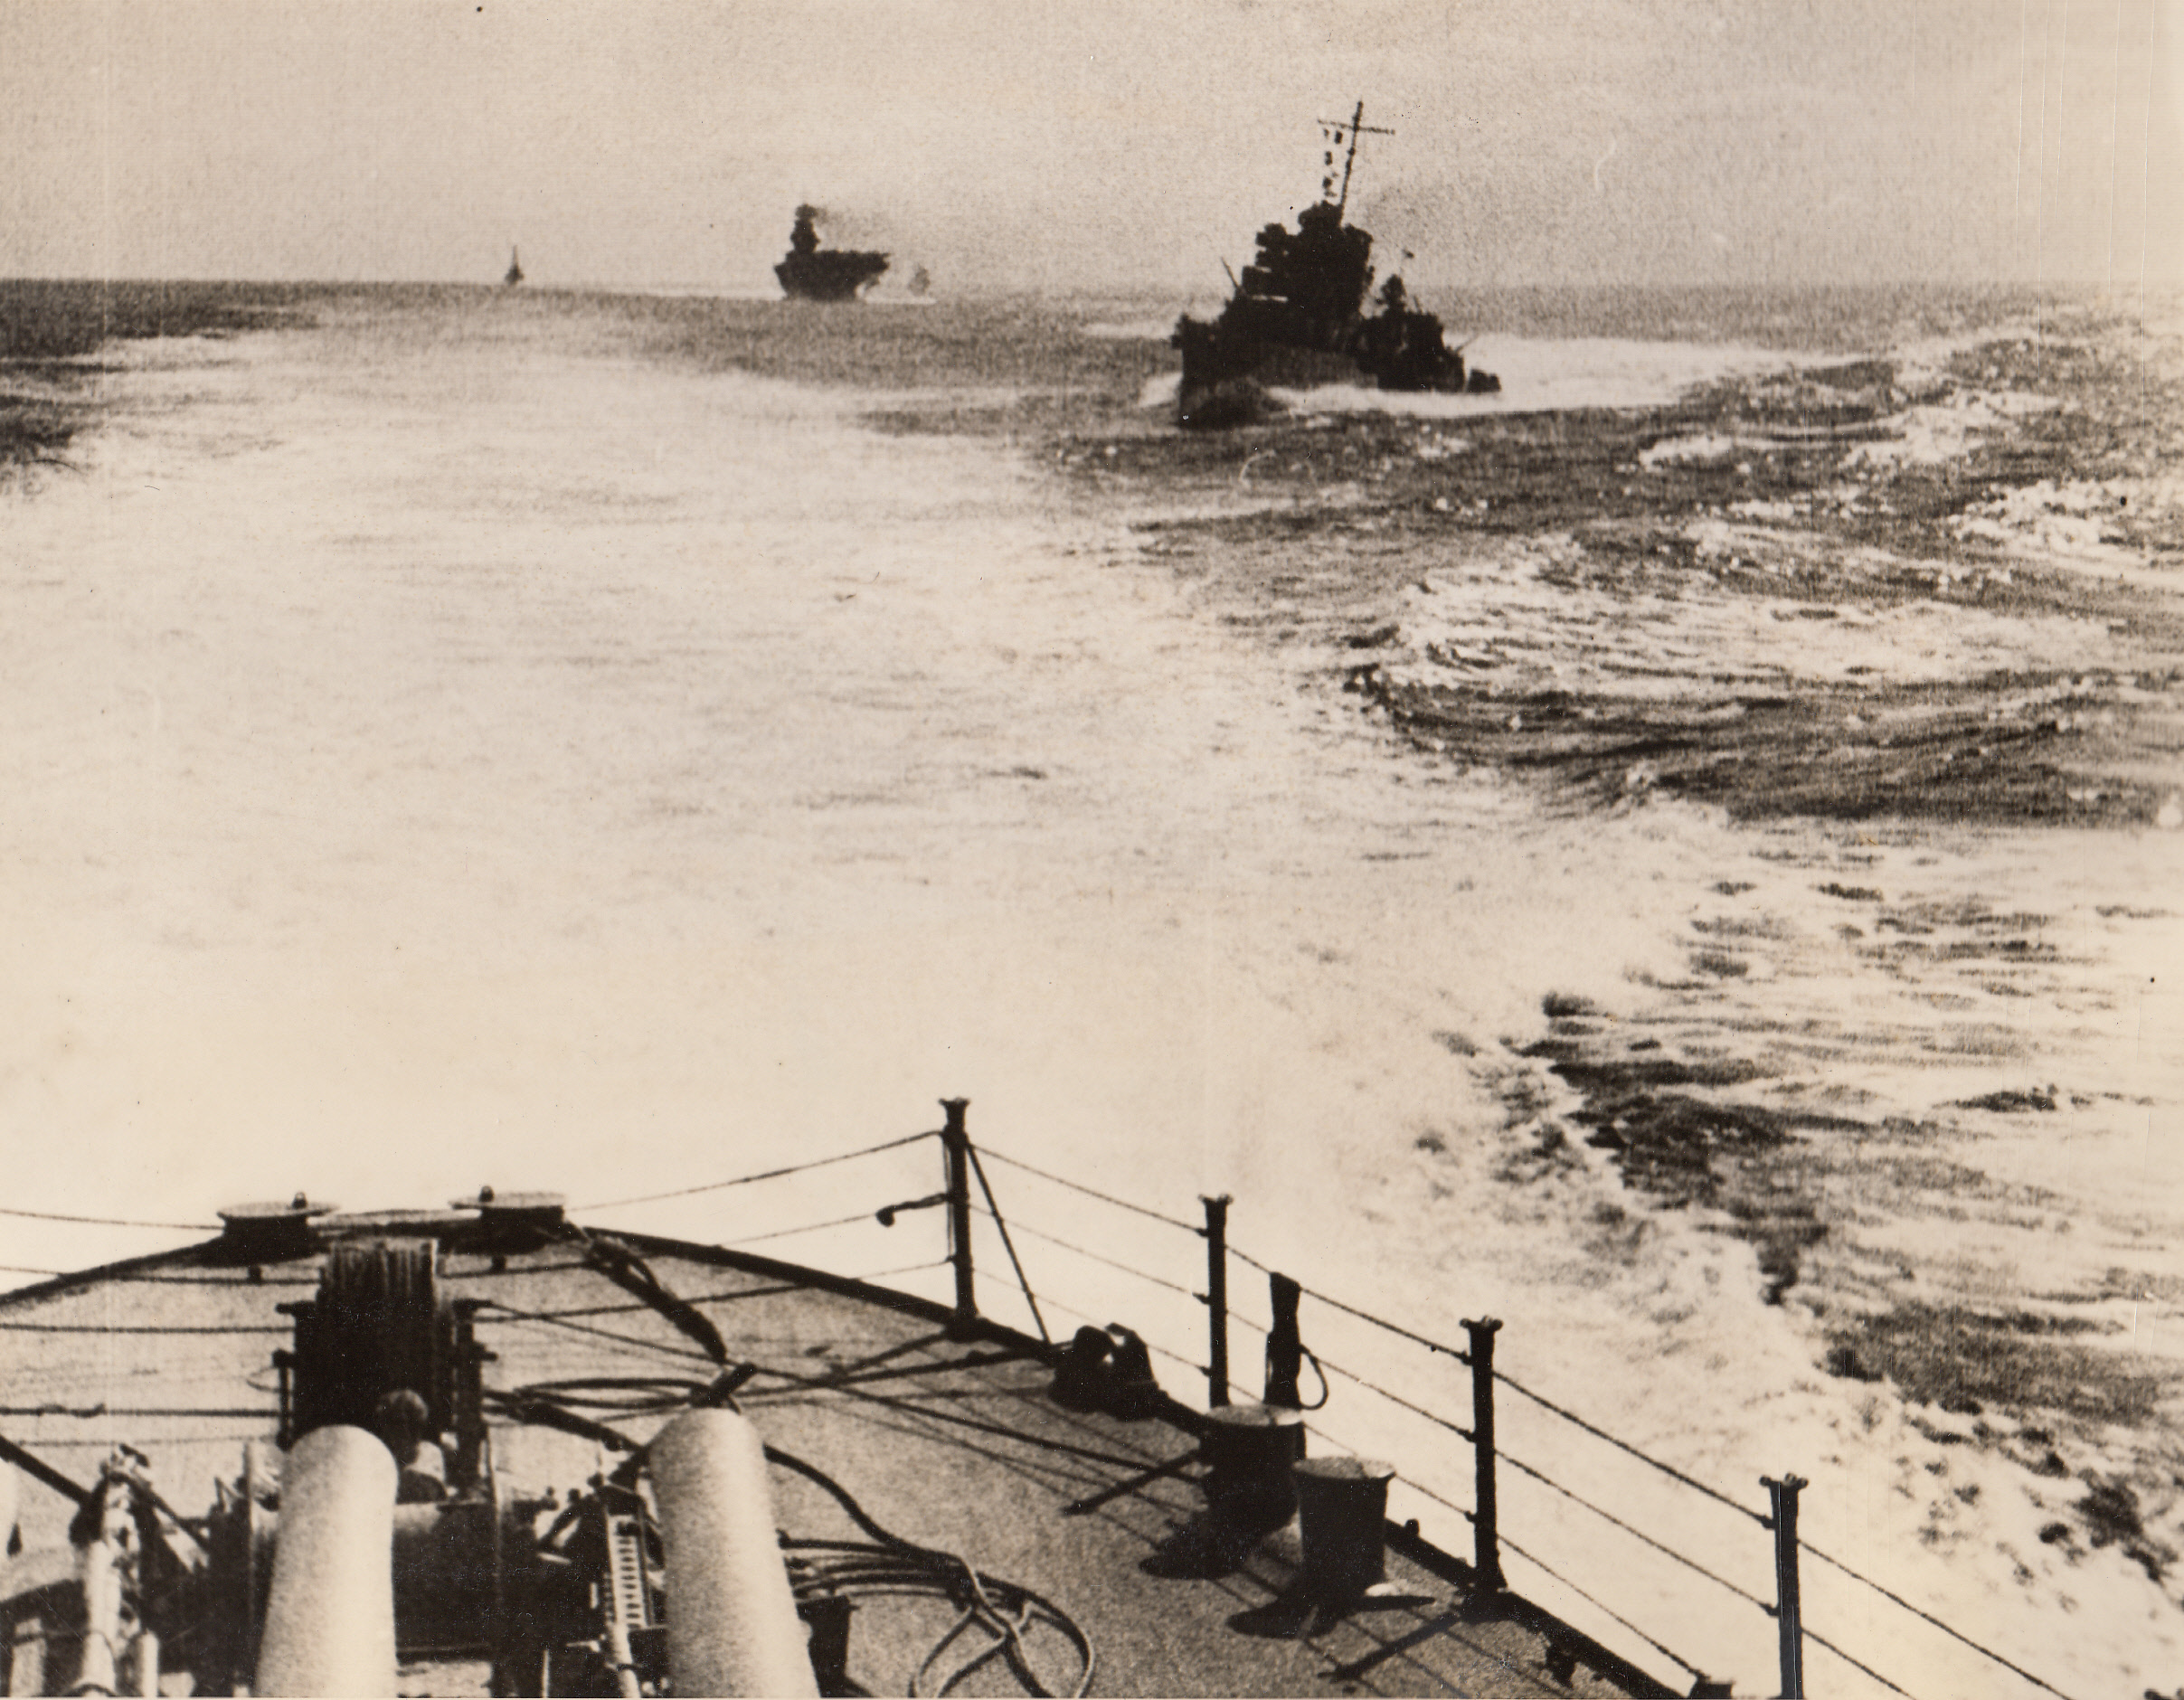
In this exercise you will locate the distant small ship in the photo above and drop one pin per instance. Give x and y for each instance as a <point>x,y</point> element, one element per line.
<point>515,270</point>
<point>810,273</point>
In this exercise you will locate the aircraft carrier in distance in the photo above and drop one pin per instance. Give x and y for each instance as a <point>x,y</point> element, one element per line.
<point>811,273</point>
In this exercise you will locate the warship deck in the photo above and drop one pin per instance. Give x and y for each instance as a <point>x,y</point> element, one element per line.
<point>946,1436</point>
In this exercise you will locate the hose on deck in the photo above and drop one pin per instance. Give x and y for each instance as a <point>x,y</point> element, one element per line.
<point>887,1564</point>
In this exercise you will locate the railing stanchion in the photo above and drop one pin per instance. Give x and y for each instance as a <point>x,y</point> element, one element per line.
<point>1216,1299</point>
<point>1284,1345</point>
<point>1485,1531</point>
<point>955,1144</point>
<point>1789,1616</point>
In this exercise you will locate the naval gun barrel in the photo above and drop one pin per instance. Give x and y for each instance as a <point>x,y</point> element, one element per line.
<point>330,1622</point>
<point>732,1627</point>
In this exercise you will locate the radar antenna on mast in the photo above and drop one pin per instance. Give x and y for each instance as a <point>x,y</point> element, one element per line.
<point>1356,127</point>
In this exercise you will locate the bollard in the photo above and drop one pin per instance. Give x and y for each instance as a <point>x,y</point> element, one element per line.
<point>329,1623</point>
<point>1082,1377</point>
<point>1284,1345</point>
<point>1342,1506</point>
<point>1133,1391</point>
<point>1485,1531</point>
<point>1249,1451</point>
<point>1108,1369</point>
<point>1789,1618</point>
<point>1216,1299</point>
<point>733,1628</point>
<point>955,1146</point>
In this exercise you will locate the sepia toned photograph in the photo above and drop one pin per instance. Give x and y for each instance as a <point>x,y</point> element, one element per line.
<point>1171,848</point>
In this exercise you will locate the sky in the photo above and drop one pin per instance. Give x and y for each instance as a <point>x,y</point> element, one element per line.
<point>1098,143</point>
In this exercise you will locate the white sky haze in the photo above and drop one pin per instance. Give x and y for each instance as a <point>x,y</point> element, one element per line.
<point>1117,143</point>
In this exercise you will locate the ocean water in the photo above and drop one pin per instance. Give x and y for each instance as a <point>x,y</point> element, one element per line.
<point>612,744</point>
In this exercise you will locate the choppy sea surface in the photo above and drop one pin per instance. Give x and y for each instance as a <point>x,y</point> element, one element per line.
<point>1682,856</point>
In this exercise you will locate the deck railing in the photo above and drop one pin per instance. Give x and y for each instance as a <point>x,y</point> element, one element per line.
<point>1288,1327</point>
<point>1294,1316</point>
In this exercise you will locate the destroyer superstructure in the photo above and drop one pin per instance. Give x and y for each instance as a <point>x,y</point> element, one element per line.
<point>1300,314</point>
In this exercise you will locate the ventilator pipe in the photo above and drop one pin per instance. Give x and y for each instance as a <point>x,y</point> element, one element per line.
<point>732,1627</point>
<point>329,1627</point>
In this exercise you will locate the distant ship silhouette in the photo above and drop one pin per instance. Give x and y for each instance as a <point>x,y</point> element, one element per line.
<point>515,270</point>
<point>1298,314</point>
<point>808,273</point>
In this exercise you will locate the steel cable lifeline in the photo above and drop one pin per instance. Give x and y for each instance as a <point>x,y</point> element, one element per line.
<point>1542,1564</point>
<point>1051,1239</point>
<point>1715,1494</point>
<point>1422,1491</point>
<point>1516,1386</point>
<point>1393,1399</point>
<point>1124,1204</point>
<point>766,1174</point>
<point>1464,1357</point>
<point>625,1256</point>
<point>1362,1315</point>
<point>906,1269</point>
<point>1894,1598</point>
<point>1666,1470</point>
<point>1860,1665</point>
<point>1636,1532</point>
<point>784,1233</point>
<point>1418,1488</point>
<point>112,1222</point>
<point>1407,1483</point>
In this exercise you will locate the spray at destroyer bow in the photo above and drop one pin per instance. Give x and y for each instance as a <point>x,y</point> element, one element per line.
<point>1299,314</point>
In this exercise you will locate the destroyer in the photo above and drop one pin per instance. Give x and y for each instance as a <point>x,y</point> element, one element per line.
<point>1298,314</point>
